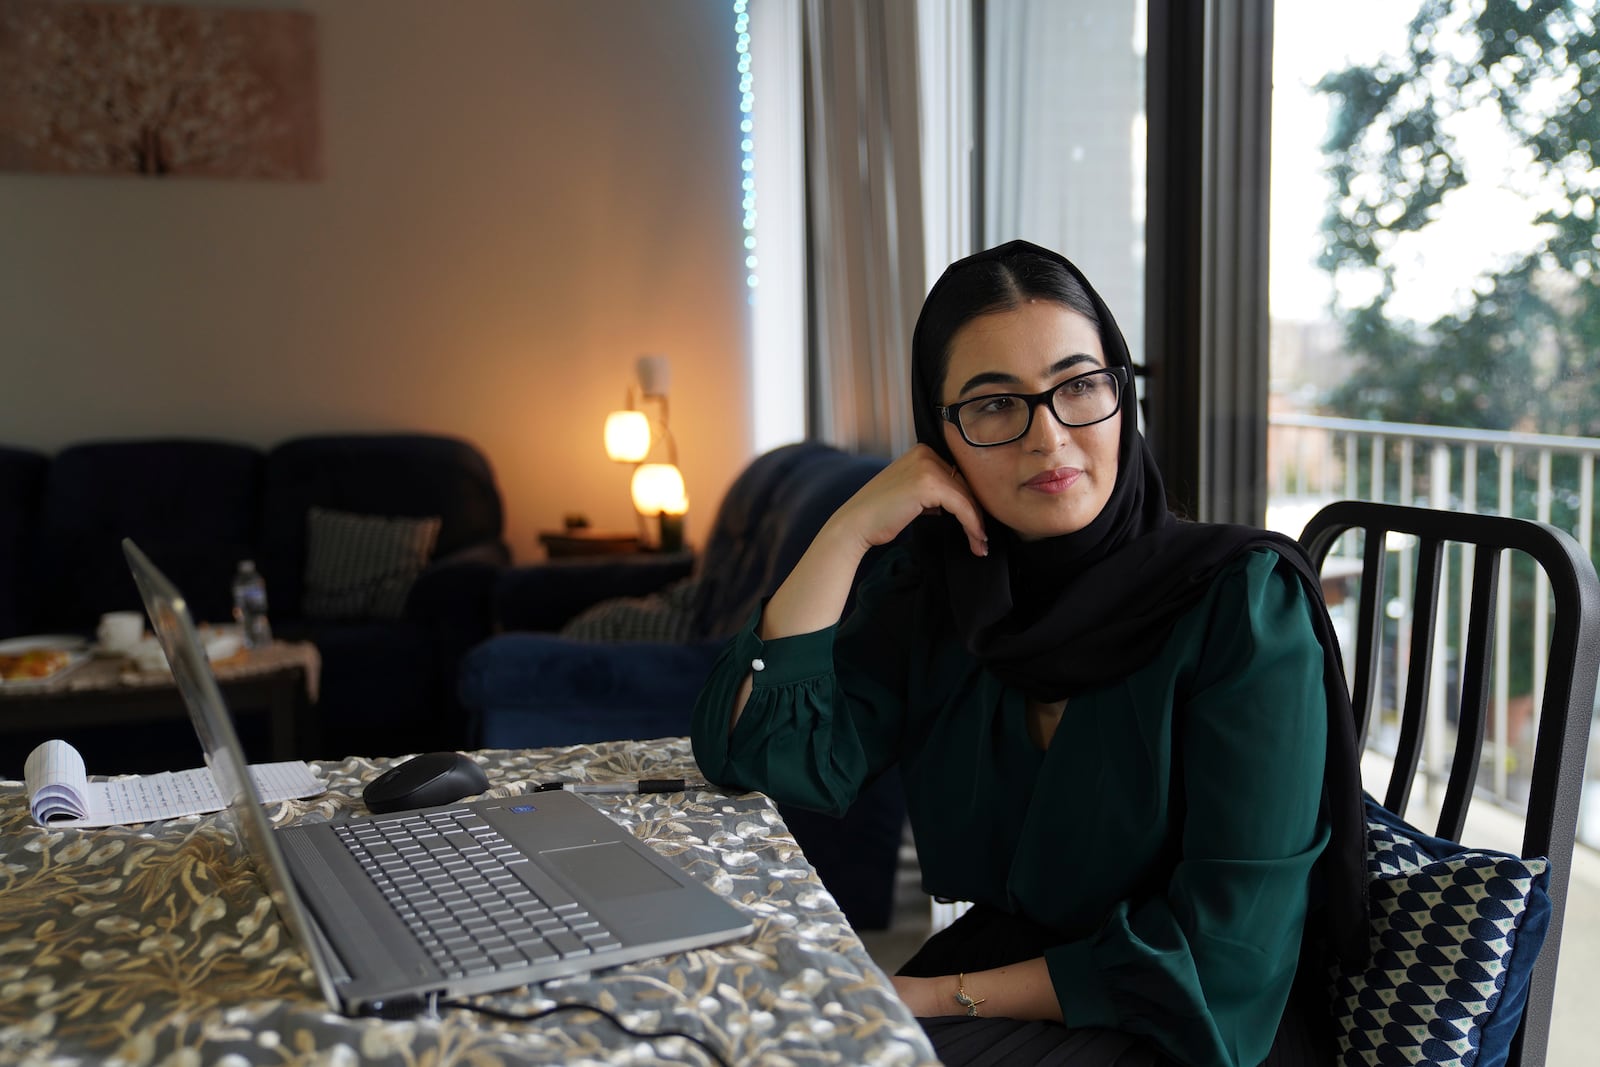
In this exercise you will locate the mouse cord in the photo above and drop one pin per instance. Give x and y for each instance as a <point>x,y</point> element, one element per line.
<point>519,1017</point>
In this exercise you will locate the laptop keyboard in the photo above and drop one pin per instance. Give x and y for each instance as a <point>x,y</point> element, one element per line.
<point>475,902</point>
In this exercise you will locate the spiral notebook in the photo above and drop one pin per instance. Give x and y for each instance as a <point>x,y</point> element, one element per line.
<point>61,795</point>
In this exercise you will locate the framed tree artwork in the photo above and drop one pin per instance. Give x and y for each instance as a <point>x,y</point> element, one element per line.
<point>158,91</point>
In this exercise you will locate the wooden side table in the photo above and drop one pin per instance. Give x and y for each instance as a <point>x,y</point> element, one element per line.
<point>565,544</point>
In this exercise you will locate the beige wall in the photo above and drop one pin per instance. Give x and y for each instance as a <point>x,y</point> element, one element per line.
<point>519,198</point>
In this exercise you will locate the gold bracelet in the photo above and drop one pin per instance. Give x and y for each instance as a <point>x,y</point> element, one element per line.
<point>966,1001</point>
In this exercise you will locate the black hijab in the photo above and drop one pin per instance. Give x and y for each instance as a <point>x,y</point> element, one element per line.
<point>1111,592</point>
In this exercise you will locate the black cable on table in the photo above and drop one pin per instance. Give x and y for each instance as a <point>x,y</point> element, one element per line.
<point>519,1017</point>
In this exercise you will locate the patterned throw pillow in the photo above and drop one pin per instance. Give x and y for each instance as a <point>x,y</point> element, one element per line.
<point>363,566</point>
<point>662,616</point>
<point>1454,936</point>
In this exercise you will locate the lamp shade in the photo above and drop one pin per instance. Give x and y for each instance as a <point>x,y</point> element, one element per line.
<point>654,374</point>
<point>627,436</point>
<point>658,488</point>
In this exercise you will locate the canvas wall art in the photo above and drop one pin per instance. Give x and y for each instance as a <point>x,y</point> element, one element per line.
<point>158,91</point>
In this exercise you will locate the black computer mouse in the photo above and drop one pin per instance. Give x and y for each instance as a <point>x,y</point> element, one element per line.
<point>423,781</point>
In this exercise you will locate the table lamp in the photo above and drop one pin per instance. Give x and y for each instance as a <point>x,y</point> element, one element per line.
<point>657,488</point>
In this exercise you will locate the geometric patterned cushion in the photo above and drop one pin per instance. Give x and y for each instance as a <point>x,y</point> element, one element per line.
<point>363,566</point>
<point>1454,935</point>
<point>661,616</point>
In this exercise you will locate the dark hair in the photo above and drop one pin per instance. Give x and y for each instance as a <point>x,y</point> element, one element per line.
<point>987,286</point>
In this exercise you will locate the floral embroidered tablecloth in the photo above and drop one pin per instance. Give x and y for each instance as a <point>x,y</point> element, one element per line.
<point>156,944</point>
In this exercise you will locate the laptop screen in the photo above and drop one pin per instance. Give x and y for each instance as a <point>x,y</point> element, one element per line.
<point>191,669</point>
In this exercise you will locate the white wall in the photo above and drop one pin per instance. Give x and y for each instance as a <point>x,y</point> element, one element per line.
<point>519,198</point>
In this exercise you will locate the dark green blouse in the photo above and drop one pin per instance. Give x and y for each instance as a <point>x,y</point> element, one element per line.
<point>1168,831</point>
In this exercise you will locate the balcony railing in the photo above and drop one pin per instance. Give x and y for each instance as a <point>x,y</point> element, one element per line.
<point>1313,460</point>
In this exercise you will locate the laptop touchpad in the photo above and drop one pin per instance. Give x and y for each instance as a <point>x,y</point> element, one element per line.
<point>608,871</point>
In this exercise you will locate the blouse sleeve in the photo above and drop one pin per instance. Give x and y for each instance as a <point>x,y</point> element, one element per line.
<point>1205,967</point>
<point>823,718</point>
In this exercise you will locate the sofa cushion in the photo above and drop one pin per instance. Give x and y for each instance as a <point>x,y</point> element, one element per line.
<point>363,566</point>
<point>397,475</point>
<point>1455,932</point>
<point>191,505</point>
<point>662,616</point>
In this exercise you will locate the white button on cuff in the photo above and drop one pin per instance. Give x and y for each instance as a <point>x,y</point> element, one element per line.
<point>758,664</point>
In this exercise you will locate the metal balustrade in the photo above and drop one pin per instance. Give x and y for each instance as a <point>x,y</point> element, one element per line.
<point>1313,460</point>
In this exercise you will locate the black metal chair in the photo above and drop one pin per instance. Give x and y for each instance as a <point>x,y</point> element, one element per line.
<point>1566,706</point>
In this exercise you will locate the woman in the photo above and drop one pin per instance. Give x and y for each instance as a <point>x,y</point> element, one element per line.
<point>1124,737</point>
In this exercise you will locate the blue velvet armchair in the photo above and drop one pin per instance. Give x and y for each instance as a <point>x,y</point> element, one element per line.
<point>525,688</point>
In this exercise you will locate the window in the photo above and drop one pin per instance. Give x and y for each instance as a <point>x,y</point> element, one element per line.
<point>1434,302</point>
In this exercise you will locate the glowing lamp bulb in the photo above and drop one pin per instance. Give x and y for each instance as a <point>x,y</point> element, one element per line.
<point>658,489</point>
<point>627,436</point>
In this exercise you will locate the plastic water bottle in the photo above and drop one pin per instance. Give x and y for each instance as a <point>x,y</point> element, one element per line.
<point>250,605</point>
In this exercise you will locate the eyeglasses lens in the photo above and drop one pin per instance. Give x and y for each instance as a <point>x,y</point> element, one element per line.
<point>1080,401</point>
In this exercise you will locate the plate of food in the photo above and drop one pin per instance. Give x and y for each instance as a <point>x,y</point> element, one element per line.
<point>39,660</point>
<point>222,644</point>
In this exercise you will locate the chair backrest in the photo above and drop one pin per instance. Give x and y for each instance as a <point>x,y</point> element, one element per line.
<point>194,505</point>
<point>412,475</point>
<point>766,521</point>
<point>1566,707</point>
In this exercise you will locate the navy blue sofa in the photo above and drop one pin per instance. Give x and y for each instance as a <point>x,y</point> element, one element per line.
<point>197,507</point>
<point>531,686</point>
<point>22,474</point>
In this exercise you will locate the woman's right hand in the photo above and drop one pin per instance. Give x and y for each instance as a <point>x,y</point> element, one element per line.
<point>918,483</point>
<point>813,596</point>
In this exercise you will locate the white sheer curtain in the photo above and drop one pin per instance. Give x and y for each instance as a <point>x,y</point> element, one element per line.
<point>865,203</point>
<point>1064,127</point>
<point>944,32</point>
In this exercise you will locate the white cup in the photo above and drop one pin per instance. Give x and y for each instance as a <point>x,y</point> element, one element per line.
<point>120,631</point>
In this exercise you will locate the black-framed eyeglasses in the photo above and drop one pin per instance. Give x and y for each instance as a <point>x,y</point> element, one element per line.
<point>1000,418</point>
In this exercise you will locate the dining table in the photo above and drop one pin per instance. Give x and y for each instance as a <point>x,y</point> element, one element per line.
<point>157,944</point>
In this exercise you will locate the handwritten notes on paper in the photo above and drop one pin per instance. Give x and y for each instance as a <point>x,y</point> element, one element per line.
<point>60,793</point>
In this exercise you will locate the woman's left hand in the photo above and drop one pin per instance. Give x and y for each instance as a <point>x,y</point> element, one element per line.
<point>922,995</point>
<point>1018,991</point>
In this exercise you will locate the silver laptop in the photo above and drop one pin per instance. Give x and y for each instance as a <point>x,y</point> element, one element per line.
<point>399,910</point>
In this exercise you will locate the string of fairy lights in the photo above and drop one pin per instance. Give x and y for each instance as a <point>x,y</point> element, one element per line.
<point>747,157</point>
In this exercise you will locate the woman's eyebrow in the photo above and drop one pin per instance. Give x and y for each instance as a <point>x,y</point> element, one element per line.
<point>990,377</point>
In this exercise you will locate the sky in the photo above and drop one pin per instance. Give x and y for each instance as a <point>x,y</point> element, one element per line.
<point>1480,225</point>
